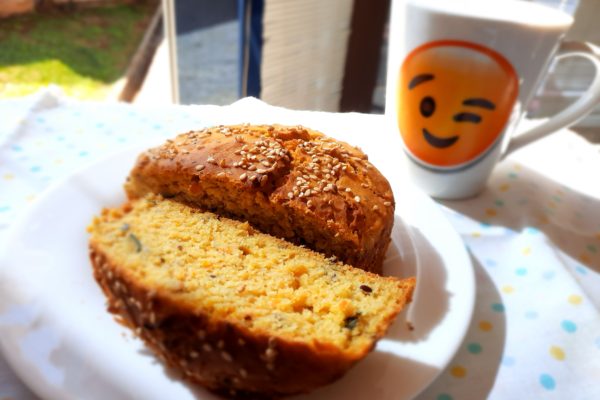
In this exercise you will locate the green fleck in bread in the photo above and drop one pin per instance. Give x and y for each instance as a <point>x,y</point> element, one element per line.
<point>235,310</point>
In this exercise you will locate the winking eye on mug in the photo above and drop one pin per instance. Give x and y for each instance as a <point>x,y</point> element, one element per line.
<point>454,100</point>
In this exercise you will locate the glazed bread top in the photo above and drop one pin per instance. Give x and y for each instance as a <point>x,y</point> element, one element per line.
<point>313,189</point>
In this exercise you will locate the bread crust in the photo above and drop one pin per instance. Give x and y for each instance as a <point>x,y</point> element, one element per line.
<point>220,355</point>
<point>291,182</point>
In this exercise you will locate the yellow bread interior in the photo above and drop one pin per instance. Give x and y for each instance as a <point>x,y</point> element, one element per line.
<point>226,269</point>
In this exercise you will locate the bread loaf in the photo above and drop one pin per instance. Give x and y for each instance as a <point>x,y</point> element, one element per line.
<point>291,182</point>
<point>235,310</point>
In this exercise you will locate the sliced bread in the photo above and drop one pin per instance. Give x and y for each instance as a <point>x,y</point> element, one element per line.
<point>235,310</point>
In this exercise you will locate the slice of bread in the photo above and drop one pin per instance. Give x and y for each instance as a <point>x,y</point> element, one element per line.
<point>233,309</point>
<point>288,181</point>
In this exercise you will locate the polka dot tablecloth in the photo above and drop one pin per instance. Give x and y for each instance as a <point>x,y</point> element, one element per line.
<point>533,236</point>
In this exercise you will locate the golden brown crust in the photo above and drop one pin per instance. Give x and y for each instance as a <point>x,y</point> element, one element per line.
<point>292,182</point>
<point>220,355</point>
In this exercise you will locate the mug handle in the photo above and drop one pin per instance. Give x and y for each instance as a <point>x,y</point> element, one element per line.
<point>575,111</point>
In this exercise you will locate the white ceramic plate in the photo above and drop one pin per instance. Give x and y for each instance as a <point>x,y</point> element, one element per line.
<point>57,335</point>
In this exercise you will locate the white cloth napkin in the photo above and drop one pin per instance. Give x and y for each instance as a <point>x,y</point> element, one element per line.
<point>534,234</point>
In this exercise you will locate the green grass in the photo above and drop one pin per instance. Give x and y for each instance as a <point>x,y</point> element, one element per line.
<point>84,51</point>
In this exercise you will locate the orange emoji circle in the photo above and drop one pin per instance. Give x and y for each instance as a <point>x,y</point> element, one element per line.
<point>454,99</point>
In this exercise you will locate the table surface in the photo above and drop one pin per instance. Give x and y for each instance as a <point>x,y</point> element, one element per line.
<point>533,234</point>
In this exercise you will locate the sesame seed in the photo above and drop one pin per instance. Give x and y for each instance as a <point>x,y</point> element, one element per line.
<point>243,373</point>
<point>375,207</point>
<point>387,203</point>
<point>261,170</point>
<point>290,195</point>
<point>220,174</point>
<point>243,177</point>
<point>222,163</point>
<point>220,344</point>
<point>207,347</point>
<point>357,199</point>
<point>194,354</point>
<point>366,186</point>
<point>270,353</point>
<point>348,190</point>
<point>309,203</point>
<point>263,180</point>
<point>226,356</point>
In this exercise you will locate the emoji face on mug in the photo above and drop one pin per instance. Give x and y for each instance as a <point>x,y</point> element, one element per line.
<point>454,100</point>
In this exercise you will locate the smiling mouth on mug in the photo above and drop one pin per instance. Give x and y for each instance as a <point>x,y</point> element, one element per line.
<point>440,143</point>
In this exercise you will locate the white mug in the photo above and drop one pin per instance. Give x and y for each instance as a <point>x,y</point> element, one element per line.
<point>460,76</point>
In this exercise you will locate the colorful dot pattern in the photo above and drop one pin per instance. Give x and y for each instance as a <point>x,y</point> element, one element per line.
<point>535,325</point>
<point>474,348</point>
<point>44,138</point>
<point>56,140</point>
<point>569,326</point>
<point>547,381</point>
<point>534,330</point>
